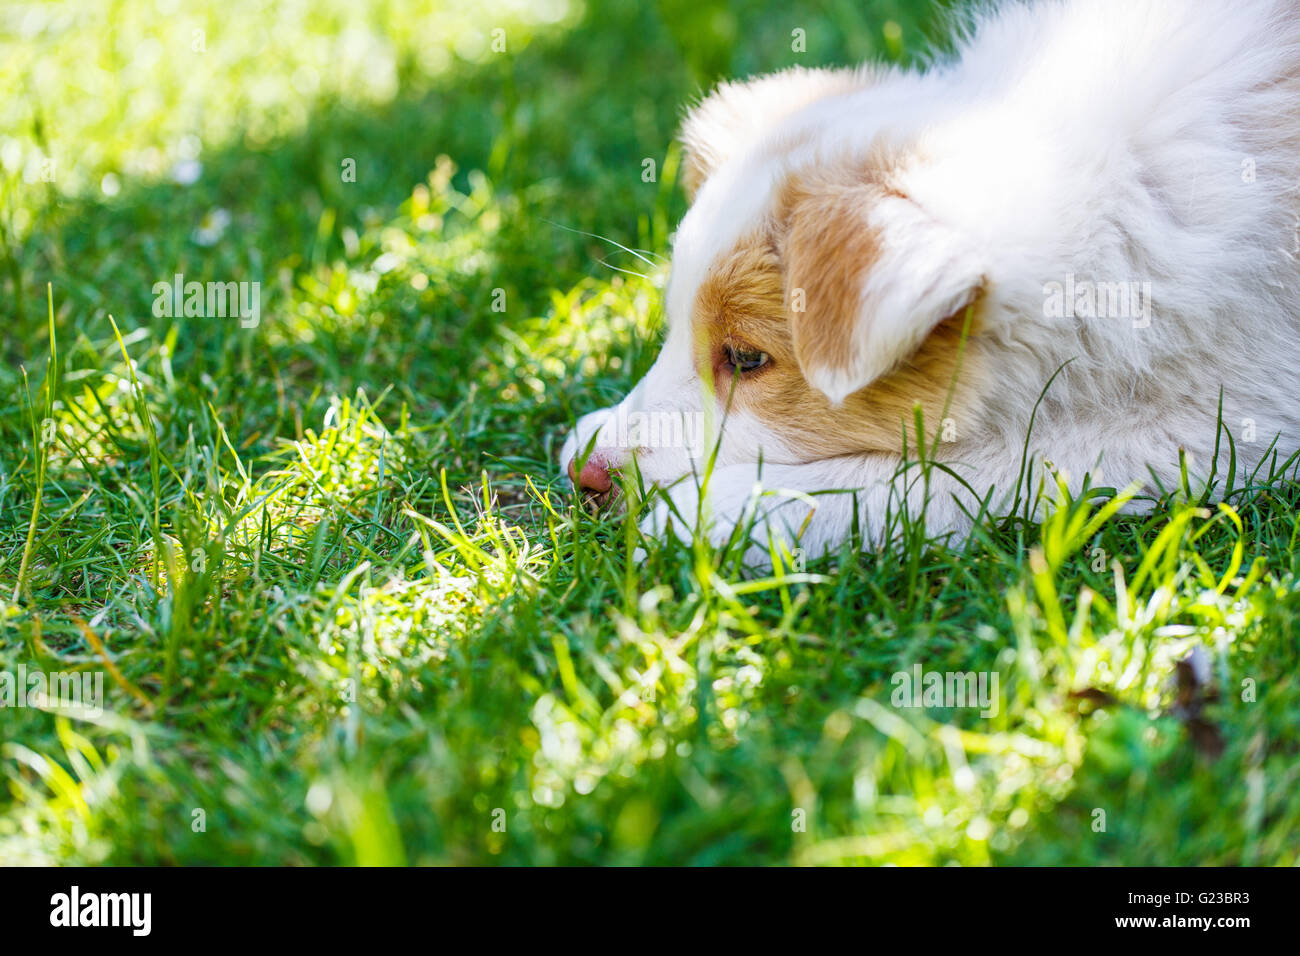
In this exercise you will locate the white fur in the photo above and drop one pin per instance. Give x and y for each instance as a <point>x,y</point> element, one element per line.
<point>1105,140</point>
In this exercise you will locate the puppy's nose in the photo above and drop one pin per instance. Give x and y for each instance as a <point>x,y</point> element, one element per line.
<point>594,477</point>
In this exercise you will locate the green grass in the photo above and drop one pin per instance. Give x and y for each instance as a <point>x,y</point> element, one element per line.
<point>352,612</point>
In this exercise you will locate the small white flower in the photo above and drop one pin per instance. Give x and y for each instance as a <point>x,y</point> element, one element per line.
<point>212,227</point>
<point>187,171</point>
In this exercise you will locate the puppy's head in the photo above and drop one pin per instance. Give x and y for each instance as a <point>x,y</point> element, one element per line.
<point>814,302</point>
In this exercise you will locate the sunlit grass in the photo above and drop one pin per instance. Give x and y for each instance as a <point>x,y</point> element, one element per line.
<point>138,90</point>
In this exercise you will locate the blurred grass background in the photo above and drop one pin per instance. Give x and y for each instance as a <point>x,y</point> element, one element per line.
<point>351,611</point>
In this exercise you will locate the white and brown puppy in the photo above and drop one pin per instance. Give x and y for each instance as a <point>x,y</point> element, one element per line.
<point>1109,188</point>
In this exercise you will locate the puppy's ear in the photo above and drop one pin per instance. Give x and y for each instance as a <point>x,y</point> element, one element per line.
<point>869,274</point>
<point>735,115</point>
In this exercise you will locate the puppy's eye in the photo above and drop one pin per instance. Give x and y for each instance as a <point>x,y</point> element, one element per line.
<point>744,360</point>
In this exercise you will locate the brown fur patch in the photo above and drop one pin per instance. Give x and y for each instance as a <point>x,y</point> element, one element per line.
<point>828,248</point>
<point>817,239</point>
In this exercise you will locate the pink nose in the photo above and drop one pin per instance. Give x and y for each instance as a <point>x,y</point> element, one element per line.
<point>594,476</point>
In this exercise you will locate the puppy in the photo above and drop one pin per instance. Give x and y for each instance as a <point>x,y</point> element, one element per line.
<point>1087,219</point>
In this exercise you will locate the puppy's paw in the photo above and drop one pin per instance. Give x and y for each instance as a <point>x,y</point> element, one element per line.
<point>735,497</point>
<point>680,512</point>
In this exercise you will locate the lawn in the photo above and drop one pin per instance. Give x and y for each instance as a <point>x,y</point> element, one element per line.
<point>345,609</point>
